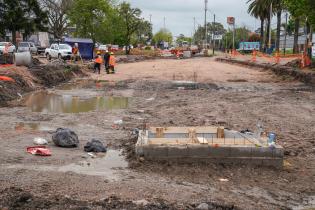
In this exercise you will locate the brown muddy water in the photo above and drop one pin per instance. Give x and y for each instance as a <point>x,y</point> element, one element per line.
<point>48,102</point>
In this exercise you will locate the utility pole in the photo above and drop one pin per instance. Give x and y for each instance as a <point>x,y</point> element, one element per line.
<point>285,33</point>
<point>206,27</point>
<point>270,26</point>
<point>213,34</point>
<point>234,35</point>
<point>194,30</point>
<point>164,23</point>
<point>151,19</point>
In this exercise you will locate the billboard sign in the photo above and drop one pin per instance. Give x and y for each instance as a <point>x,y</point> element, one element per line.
<point>217,37</point>
<point>231,20</point>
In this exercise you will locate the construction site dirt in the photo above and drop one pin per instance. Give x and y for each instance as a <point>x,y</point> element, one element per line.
<point>144,93</point>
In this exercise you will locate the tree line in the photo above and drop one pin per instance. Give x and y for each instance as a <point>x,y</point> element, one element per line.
<point>302,13</point>
<point>104,21</point>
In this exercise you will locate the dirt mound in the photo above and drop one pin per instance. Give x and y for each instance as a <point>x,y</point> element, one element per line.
<point>53,74</point>
<point>306,77</point>
<point>37,76</point>
<point>16,198</point>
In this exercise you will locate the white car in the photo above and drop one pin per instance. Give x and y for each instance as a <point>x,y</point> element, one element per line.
<point>27,47</point>
<point>11,49</point>
<point>61,51</point>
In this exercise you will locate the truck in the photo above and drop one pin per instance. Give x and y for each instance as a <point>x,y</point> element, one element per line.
<point>41,41</point>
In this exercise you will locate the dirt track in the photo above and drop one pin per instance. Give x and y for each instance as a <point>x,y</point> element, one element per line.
<point>232,95</point>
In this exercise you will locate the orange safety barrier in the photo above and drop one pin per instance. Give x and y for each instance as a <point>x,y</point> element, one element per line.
<point>8,79</point>
<point>277,58</point>
<point>254,55</point>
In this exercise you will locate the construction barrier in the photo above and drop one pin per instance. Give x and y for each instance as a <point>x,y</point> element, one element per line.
<point>276,58</point>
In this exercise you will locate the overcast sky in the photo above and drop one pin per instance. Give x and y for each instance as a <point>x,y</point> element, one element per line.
<point>179,14</point>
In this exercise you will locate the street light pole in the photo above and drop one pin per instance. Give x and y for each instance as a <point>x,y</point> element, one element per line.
<point>213,34</point>
<point>270,26</point>
<point>164,23</point>
<point>285,33</point>
<point>194,30</point>
<point>206,27</point>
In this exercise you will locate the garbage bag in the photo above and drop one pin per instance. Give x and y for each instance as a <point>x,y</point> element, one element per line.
<point>65,137</point>
<point>95,146</point>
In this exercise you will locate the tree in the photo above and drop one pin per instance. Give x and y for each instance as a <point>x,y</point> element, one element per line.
<point>300,10</point>
<point>216,28</point>
<point>131,22</point>
<point>144,32</point>
<point>57,15</point>
<point>17,15</point>
<point>182,38</point>
<point>89,18</point>
<point>278,7</point>
<point>260,9</point>
<point>163,35</point>
<point>241,34</point>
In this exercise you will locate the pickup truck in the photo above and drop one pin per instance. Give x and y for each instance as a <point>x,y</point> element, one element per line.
<point>61,51</point>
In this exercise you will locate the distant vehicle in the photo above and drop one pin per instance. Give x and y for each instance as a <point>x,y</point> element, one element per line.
<point>102,47</point>
<point>130,47</point>
<point>248,46</point>
<point>11,49</point>
<point>27,47</point>
<point>114,48</point>
<point>61,51</point>
<point>41,40</point>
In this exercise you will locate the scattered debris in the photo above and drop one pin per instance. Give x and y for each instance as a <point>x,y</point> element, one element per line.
<point>203,206</point>
<point>142,202</point>
<point>39,150</point>
<point>95,146</point>
<point>91,155</point>
<point>65,137</point>
<point>150,99</point>
<point>40,141</point>
<point>223,180</point>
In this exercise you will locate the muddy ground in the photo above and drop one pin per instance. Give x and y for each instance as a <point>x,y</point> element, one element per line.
<point>231,95</point>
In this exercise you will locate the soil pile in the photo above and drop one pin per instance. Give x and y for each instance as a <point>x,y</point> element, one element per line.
<point>37,76</point>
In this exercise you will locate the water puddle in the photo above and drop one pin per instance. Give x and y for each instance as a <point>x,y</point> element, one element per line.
<point>83,84</point>
<point>22,126</point>
<point>53,103</point>
<point>110,166</point>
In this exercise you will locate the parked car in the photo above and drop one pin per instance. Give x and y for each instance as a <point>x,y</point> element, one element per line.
<point>27,47</point>
<point>102,47</point>
<point>61,51</point>
<point>11,49</point>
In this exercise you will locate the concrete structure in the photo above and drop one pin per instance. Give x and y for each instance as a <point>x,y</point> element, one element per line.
<point>208,144</point>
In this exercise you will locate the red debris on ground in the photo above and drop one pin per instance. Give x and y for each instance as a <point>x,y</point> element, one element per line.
<point>39,150</point>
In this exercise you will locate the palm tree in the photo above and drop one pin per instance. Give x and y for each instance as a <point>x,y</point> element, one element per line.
<point>278,7</point>
<point>260,10</point>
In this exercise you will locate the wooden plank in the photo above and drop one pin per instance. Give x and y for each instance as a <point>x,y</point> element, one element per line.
<point>174,141</point>
<point>202,140</point>
<point>203,129</point>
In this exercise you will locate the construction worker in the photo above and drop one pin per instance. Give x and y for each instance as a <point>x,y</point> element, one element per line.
<point>98,62</point>
<point>75,52</point>
<point>6,53</point>
<point>106,61</point>
<point>112,63</point>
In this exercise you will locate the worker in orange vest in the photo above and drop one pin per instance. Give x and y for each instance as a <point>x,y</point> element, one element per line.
<point>6,53</point>
<point>112,63</point>
<point>75,52</point>
<point>98,62</point>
